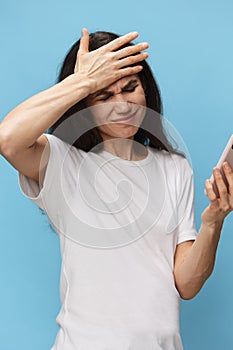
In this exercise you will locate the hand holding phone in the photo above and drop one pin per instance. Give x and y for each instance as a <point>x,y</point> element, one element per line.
<point>227,156</point>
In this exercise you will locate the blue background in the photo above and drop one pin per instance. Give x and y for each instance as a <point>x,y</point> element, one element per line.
<point>191,55</point>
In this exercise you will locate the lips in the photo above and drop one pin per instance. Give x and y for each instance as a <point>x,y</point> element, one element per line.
<point>121,119</point>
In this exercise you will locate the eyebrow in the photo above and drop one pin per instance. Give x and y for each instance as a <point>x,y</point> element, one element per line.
<point>108,92</point>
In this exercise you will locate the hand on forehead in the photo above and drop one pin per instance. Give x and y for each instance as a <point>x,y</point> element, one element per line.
<point>125,82</point>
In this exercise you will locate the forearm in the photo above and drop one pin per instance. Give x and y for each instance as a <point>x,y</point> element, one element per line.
<point>29,120</point>
<point>198,264</point>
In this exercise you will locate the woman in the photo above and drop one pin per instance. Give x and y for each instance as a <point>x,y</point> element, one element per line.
<point>126,297</point>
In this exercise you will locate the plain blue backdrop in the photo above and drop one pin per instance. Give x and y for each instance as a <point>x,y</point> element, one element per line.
<point>191,56</point>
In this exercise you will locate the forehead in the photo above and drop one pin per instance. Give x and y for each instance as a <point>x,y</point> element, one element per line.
<point>116,86</point>
<point>123,81</point>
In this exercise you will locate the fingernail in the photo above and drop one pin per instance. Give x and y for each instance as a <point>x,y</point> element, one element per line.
<point>226,165</point>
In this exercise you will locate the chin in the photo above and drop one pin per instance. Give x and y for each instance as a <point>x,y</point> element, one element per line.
<point>125,131</point>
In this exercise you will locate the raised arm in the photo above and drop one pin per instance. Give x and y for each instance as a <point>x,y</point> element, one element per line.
<point>21,139</point>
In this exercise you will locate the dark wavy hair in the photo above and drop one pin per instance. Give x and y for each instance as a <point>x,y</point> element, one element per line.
<point>150,132</point>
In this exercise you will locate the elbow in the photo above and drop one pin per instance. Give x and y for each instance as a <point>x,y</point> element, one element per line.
<point>2,141</point>
<point>5,148</point>
<point>187,292</point>
<point>189,288</point>
<point>187,295</point>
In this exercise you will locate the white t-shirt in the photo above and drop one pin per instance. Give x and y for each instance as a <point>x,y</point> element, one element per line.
<point>118,222</point>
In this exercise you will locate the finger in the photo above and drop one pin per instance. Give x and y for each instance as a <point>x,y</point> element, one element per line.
<point>130,50</point>
<point>84,42</point>
<point>211,194</point>
<point>131,60</point>
<point>122,40</point>
<point>229,176</point>
<point>222,189</point>
<point>128,71</point>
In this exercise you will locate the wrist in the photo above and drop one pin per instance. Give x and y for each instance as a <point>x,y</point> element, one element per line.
<point>80,85</point>
<point>213,227</point>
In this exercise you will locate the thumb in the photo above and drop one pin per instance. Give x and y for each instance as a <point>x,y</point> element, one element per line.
<point>84,41</point>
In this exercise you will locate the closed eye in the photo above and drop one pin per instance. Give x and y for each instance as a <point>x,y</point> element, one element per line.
<point>129,89</point>
<point>105,98</point>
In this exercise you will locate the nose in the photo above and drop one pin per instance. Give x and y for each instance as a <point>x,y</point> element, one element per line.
<point>119,97</point>
<point>121,106</point>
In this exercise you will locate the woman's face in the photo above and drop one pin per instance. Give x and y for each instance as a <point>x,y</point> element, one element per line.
<point>123,99</point>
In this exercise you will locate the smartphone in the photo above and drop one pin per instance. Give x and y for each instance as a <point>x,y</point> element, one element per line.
<point>227,155</point>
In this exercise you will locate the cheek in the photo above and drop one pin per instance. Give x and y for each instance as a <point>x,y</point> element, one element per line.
<point>100,113</point>
<point>140,98</point>
<point>143,100</point>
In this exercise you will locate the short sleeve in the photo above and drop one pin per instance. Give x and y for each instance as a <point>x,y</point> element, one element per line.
<point>31,189</point>
<point>186,229</point>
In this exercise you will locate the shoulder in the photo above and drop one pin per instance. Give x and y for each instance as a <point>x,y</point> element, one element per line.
<point>175,168</point>
<point>172,160</point>
<point>63,147</point>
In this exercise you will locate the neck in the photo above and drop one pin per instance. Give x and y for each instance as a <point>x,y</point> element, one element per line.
<point>127,149</point>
